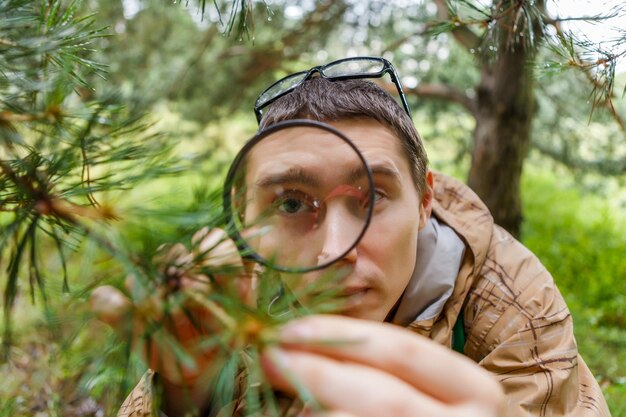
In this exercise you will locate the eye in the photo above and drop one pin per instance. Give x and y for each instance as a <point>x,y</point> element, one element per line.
<point>294,202</point>
<point>379,195</point>
<point>291,205</point>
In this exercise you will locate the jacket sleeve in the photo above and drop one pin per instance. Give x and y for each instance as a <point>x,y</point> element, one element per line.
<point>521,331</point>
<point>139,402</point>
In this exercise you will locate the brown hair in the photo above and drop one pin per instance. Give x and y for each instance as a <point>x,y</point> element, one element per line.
<point>327,101</point>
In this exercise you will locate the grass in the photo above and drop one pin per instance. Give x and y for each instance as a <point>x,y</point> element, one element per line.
<point>579,237</point>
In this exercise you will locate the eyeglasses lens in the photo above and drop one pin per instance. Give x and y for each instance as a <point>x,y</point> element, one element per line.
<point>362,66</point>
<point>281,87</point>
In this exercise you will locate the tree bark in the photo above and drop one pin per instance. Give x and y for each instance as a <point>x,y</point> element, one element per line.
<point>504,110</point>
<point>504,105</point>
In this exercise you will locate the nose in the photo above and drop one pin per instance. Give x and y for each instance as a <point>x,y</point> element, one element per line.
<point>340,231</point>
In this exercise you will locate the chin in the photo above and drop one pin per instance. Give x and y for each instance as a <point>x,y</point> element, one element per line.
<point>363,313</point>
<point>362,305</point>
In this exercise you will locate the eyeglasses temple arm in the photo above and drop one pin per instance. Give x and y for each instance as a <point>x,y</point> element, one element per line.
<point>396,80</point>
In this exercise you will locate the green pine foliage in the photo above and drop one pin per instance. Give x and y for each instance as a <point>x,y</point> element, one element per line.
<point>71,156</point>
<point>63,146</point>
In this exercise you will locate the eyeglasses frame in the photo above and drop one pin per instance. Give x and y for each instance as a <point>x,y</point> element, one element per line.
<point>388,68</point>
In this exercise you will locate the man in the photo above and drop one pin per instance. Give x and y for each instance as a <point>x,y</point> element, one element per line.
<point>432,261</point>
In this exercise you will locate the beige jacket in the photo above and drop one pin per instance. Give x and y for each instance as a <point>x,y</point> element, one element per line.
<point>516,322</point>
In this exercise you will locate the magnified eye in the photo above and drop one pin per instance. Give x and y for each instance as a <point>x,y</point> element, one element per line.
<point>379,195</point>
<point>291,205</point>
<point>293,202</point>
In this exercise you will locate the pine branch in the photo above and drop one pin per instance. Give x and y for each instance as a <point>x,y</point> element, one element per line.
<point>460,30</point>
<point>602,82</point>
<point>597,18</point>
<point>446,93</point>
<point>10,117</point>
<point>192,62</point>
<point>240,15</point>
<point>51,140</point>
<point>401,41</point>
<point>567,157</point>
<point>504,26</point>
<point>265,61</point>
<point>568,153</point>
<point>438,92</point>
<point>8,42</point>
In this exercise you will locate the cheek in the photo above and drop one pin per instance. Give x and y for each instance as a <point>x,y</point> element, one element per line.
<point>392,245</point>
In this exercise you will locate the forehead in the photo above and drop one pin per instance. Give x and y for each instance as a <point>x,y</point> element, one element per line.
<point>314,149</point>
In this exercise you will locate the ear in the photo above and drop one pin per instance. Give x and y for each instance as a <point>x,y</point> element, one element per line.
<point>426,205</point>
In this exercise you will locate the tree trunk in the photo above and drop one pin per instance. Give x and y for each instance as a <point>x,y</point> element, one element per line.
<point>504,112</point>
<point>504,105</point>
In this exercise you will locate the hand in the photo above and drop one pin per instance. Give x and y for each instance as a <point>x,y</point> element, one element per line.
<point>190,317</point>
<point>357,368</point>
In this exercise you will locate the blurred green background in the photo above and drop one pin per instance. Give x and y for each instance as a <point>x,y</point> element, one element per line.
<point>196,82</point>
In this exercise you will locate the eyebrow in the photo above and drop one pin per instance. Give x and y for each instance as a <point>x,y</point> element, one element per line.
<point>377,169</point>
<point>300,176</point>
<point>292,175</point>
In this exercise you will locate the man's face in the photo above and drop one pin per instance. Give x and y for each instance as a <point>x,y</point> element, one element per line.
<point>374,273</point>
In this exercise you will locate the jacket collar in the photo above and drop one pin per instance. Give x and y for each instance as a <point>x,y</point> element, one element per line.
<point>457,206</point>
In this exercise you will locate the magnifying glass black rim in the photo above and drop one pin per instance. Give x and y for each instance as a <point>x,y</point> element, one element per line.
<point>231,227</point>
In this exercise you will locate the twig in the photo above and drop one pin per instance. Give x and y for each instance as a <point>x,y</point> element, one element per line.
<point>173,89</point>
<point>612,168</point>
<point>463,34</point>
<point>8,117</point>
<point>7,42</point>
<point>438,91</point>
<point>553,21</point>
<point>399,42</point>
<point>578,62</point>
<point>215,309</point>
<point>604,167</point>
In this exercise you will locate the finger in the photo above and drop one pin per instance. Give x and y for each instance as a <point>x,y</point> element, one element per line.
<point>178,361</point>
<point>307,411</point>
<point>347,387</point>
<point>181,346</point>
<point>199,284</point>
<point>222,252</point>
<point>334,413</point>
<point>327,414</point>
<point>178,254</point>
<point>172,256</point>
<point>111,306</point>
<point>199,235</point>
<point>218,249</point>
<point>422,363</point>
<point>182,332</point>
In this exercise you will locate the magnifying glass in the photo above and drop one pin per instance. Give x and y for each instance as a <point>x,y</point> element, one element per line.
<point>298,197</point>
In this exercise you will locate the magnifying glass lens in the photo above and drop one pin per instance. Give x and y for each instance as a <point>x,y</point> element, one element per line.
<point>301,197</point>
